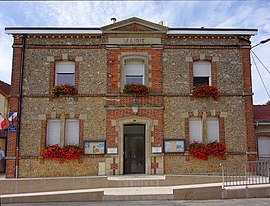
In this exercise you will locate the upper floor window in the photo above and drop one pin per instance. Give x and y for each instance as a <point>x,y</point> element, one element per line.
<point>65,73</point>
<point>201,72</point>
<point>134,72</point>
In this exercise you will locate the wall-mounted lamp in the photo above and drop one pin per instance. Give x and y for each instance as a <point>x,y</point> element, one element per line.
<point>135,106</point>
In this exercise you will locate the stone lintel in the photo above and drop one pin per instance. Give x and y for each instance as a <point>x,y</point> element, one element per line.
<point>53,115</point>
<point>50,58</point>
<point>78,59</point>
<point>185,115</point>
<point>223,114</point>
<point>42,117</point>
<point>71,115</point>
<point>83,116</point>
<point>65,56</point>
<point>202,56</point>
<point>189,59</point>
<point>215,59</point>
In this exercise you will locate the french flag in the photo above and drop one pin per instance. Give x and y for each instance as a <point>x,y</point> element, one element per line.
<point>3,122</point>
<point>12,116</point>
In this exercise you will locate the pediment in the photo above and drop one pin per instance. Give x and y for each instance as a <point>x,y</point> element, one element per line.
<point>134,25</point>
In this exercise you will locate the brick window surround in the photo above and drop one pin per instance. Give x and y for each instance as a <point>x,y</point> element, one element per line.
<point>134,56</point>
<point>213,61</point>
<point>204,115</point>
<point>63,119</point>
<point>64,57</point>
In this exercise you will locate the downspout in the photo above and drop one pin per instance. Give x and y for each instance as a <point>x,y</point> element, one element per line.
<point>19,107</point>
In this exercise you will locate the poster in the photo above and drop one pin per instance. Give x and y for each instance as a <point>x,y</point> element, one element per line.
<point>94,147</point>
<point>174,145</point>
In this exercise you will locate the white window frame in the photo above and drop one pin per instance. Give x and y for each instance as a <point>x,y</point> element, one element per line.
<point>195,129</point>
<point>64,67</point>
<point>202,69</point>
<point>53,132</point>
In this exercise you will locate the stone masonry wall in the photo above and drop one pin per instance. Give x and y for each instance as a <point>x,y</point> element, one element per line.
<point>176,70</point>
<point>92,70</point>
<point>91,107</point>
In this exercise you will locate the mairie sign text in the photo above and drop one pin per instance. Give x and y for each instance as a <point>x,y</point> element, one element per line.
<point>134,40</point>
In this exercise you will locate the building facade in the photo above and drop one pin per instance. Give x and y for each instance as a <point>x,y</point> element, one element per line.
<point>99,62</point>
<point>262,130</point>
<point>4,108</point>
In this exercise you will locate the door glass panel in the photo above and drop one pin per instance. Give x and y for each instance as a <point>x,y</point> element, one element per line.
<point>134,156</point>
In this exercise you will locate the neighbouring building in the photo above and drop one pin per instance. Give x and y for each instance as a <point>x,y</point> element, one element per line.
<point>99,117</point>
<point>262,130</point>
<point>4,108</point>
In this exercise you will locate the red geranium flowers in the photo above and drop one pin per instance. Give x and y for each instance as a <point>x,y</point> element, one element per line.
<point>135,89</point>
<point>69,152</point>
<point>203,151</point>
<point>204,90</point>
<point>63,89</point>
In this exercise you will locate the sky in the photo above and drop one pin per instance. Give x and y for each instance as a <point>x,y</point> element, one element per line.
<point>254,14</point>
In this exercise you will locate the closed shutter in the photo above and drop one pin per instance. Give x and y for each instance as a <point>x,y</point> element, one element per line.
<point>53,132</point>
<point>195,130</point>
<point>212,129</point>
<point>202,72</point>
<point>134,72</point>
<point>72,132</point>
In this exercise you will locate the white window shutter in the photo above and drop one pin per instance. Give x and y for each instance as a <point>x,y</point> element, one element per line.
<point>65,67</point>
<point>201,69</point>
<point>53,132</point>
<point>134,68</point>
<point>72,132</point>
<point>195,130</point>
<point>212,129</point>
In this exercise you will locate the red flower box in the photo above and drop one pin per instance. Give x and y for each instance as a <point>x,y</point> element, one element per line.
<point>63,89</point>
<point>135,89</point>
<point>69,152</point>
<point>204,90</point>
<point>203,151</point>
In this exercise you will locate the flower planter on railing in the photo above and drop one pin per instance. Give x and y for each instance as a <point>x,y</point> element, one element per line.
<point>136,89</point>
<point>63,89</point>
<point>203,151</point>
<point>204,90</point>
<point>69,152</point>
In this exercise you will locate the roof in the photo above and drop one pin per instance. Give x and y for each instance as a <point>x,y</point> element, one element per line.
<point>261,112</point>
<point>116,27</point>
<point>4,88</point>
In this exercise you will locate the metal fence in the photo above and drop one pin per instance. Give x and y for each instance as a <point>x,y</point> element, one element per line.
<point>245,173</point>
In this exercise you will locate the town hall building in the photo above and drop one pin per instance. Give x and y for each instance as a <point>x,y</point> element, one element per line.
<point>134,95</point>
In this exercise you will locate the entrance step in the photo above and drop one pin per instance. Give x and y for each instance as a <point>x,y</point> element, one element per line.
<point>138,194</point>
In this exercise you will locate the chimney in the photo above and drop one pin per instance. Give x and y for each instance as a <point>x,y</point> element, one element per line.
<point>113,19</point>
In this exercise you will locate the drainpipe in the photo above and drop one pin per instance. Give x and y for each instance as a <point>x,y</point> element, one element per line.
<point>19,108</point>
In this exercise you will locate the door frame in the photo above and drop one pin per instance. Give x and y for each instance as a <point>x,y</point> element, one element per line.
<point>149,126</point>
<point>142,134</point>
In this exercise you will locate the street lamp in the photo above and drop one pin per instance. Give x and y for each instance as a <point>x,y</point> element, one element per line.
<point>135,106</point>
<point>261,42</point>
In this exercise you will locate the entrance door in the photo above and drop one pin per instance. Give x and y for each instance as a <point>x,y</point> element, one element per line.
<point>134,151</point>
